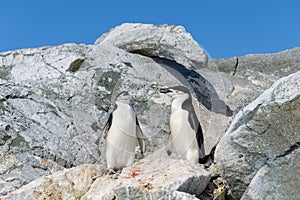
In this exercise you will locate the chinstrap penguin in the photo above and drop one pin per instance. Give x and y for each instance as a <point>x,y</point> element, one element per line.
<point>186,139</point>
<point>121,131</point>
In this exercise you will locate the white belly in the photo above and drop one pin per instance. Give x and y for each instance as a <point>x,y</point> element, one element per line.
<point>121,139</point>
<point>183,137</point>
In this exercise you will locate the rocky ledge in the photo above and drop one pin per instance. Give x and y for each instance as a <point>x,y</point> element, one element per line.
<point>54,101</point>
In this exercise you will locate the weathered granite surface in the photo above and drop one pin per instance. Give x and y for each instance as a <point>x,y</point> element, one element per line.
<point>160,179</point>
<point>164,41</point>
<point>262,136</point>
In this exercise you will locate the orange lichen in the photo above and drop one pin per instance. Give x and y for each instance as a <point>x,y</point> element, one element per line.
<point>135,171</point>
<point>132,174</point>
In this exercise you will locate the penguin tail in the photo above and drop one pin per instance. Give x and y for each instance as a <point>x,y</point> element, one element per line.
<point>209,158</point>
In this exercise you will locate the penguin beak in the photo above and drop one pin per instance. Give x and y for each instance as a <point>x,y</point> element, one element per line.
<point>164,90</point>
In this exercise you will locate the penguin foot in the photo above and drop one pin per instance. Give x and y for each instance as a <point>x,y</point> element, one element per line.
<point>208,159</point>
<point>111,171</point>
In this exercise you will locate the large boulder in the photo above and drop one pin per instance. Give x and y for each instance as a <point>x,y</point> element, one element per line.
<point>264,138</point>
<point>165,41</point>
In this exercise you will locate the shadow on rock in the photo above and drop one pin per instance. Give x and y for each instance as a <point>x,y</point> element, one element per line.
<point>201,87</point>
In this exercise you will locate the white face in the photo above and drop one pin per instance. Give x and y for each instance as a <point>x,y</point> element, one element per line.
<point>174,94</point>
<point>177,94</point>
<point>123,97</point>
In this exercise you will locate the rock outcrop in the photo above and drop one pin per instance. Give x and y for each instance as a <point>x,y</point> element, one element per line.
<point>163,178</point>
<point>241,79</point>
<point>55,100</point>
<point>164,41</point>
<point>40,123</point>
<point>264,138</point>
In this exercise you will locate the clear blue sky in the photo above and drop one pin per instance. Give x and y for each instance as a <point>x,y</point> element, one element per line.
<point>223,28</point>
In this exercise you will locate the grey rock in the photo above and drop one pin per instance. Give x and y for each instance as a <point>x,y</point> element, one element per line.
<point>67,184</point>
<point>277,180</point>
<point>136,193</point>
<point>165,41</point>
<point>163,178</point>
<point>242,79</point>
<point>265,130</point>
<point>38,120</point>
<point>277,64</point>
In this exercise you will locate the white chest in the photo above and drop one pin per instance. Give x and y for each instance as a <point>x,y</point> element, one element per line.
<point>178,116</point>
<point>124,119</point>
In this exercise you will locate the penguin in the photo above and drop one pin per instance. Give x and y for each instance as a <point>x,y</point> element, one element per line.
<point>186,138</point>
<point>121,132</point>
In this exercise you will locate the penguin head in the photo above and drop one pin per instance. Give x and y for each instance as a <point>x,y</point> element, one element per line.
<point>176,92</point>
<point>123,97</point>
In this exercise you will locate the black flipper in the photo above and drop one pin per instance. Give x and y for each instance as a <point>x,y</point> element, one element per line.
<point>107,126</point>
<point>140,136</point>
<point>169,146</point>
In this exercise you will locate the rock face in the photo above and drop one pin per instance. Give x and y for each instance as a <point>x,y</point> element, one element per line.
<point>270,181</point>
<point>165,41</point>
<point>40,123</point>
<point>241,79</point>
<point>264,138</point>
<point>55,100</point>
